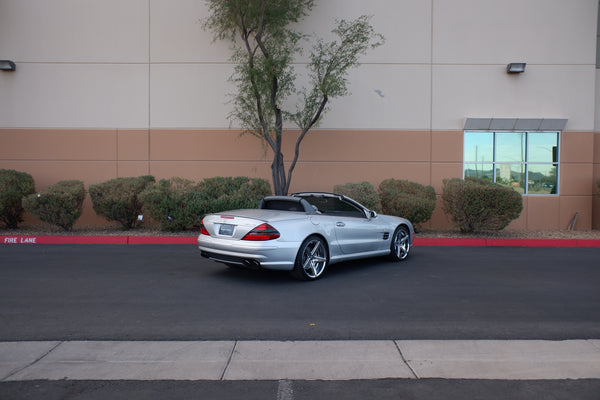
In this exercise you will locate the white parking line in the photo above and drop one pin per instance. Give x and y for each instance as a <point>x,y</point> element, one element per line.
<point>285,390</point>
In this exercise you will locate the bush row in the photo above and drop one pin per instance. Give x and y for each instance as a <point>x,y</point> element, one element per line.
<point>473,204</point>
<point>176,204</point>
<point>402,198</point>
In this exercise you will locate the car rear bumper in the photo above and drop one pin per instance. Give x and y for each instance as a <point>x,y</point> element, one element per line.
<point>242,262</point>
<point>269,255</point>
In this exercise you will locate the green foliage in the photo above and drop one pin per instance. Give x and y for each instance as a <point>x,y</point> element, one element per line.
<point>119,199</point>
<point>218,192</point>
<point>250,194</point>
<point>14,185</point>
<point>265,43</point>
<point>406,199</point>
<point>227,193</point>
<point>363,192</point>
<point>173,203</point>
<point>59,204</point>
<point>275,16</point>
<point>331,61</point>
<point>178,204</point>
<point>476,204</point>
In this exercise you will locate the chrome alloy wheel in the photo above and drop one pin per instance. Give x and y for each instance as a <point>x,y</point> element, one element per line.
<point>311,260</point>
<point>400,244</point>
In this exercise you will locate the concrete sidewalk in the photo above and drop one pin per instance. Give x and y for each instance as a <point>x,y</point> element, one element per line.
<point>299,360</point>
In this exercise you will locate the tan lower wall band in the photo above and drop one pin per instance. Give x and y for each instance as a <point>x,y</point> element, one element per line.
<point>328,157</point>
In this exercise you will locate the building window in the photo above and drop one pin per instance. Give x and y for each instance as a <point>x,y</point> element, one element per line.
<point>525,161</point>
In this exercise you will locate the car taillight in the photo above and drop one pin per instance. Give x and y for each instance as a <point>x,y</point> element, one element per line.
<point>203,230</point>
<point>261,233</point>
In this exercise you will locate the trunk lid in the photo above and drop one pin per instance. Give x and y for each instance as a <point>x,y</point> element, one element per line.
<point>234,225</point>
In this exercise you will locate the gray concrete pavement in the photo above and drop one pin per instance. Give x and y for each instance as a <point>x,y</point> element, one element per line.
<point>299,360</point>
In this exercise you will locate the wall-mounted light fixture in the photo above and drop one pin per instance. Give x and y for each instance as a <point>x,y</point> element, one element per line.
<point>515,68</point>
<point>7,65</point>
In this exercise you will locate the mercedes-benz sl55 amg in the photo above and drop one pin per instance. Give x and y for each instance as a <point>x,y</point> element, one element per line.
<point>303,233</point>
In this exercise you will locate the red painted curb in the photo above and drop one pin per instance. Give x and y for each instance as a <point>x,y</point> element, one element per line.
<point>588,242</point>
<point>162,240</point>
<point>507,242</point>
<point>533,242</point>
<point>192,240</point>
<point>449,242</point>
<point>18,239</point>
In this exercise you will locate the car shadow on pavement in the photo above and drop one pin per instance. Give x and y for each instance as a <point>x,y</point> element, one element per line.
<point>345,269</point>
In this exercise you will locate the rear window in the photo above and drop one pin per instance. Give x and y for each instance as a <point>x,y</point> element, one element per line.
<point>283,205</point>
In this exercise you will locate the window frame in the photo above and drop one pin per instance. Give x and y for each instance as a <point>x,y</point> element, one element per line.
<point>495,163</point>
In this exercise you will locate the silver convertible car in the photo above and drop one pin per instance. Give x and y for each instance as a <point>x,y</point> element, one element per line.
<point>303,233</point>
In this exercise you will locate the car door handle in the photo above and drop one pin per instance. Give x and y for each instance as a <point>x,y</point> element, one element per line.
<point>340,224</point>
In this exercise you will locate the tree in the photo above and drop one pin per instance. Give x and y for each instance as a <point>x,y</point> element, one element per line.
<point>264,46</point>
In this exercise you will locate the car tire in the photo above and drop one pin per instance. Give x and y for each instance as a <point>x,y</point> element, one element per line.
<point>311,259</point>
<point>400,246</point>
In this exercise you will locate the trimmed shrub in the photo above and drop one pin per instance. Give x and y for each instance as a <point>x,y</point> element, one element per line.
<point>406,199</point>
<point>119,199</point>
<point>477,204</point>
<point>177,204</point>
<point>14,186</point>
<point>362,192</point>
<point>173,203</point>
<point>59,204</point>
<point>217,192</point>
<point>249,194</point>
<point>230,193</point>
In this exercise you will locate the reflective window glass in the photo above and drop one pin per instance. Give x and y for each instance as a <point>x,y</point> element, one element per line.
<point>479,171</point>
<point>542,179</point>
<point>543,147</point>
<point>524,161</point>
<point>511,175</point>
<point>479,147</point>
<point>510,147</point>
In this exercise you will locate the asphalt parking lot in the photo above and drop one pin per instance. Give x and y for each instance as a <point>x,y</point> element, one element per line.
<point>528,320</point>
<point>69,292</point>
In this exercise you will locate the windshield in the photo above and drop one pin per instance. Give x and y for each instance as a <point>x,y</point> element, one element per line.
<point>334,206</point>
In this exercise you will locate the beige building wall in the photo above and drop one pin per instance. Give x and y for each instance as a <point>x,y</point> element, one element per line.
<point>108,88</point>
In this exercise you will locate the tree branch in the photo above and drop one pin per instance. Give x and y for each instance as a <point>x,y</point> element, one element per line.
<point>305,130</point>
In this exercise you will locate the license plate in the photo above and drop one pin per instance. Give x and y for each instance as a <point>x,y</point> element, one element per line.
<point>226,230</point>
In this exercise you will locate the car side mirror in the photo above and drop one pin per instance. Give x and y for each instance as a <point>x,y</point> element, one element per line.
<point>371,214</point>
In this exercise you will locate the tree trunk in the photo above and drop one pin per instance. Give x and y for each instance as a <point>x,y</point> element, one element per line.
<point>278,174</point>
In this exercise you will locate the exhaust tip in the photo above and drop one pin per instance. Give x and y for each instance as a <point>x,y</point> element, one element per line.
<point>253,264</point>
